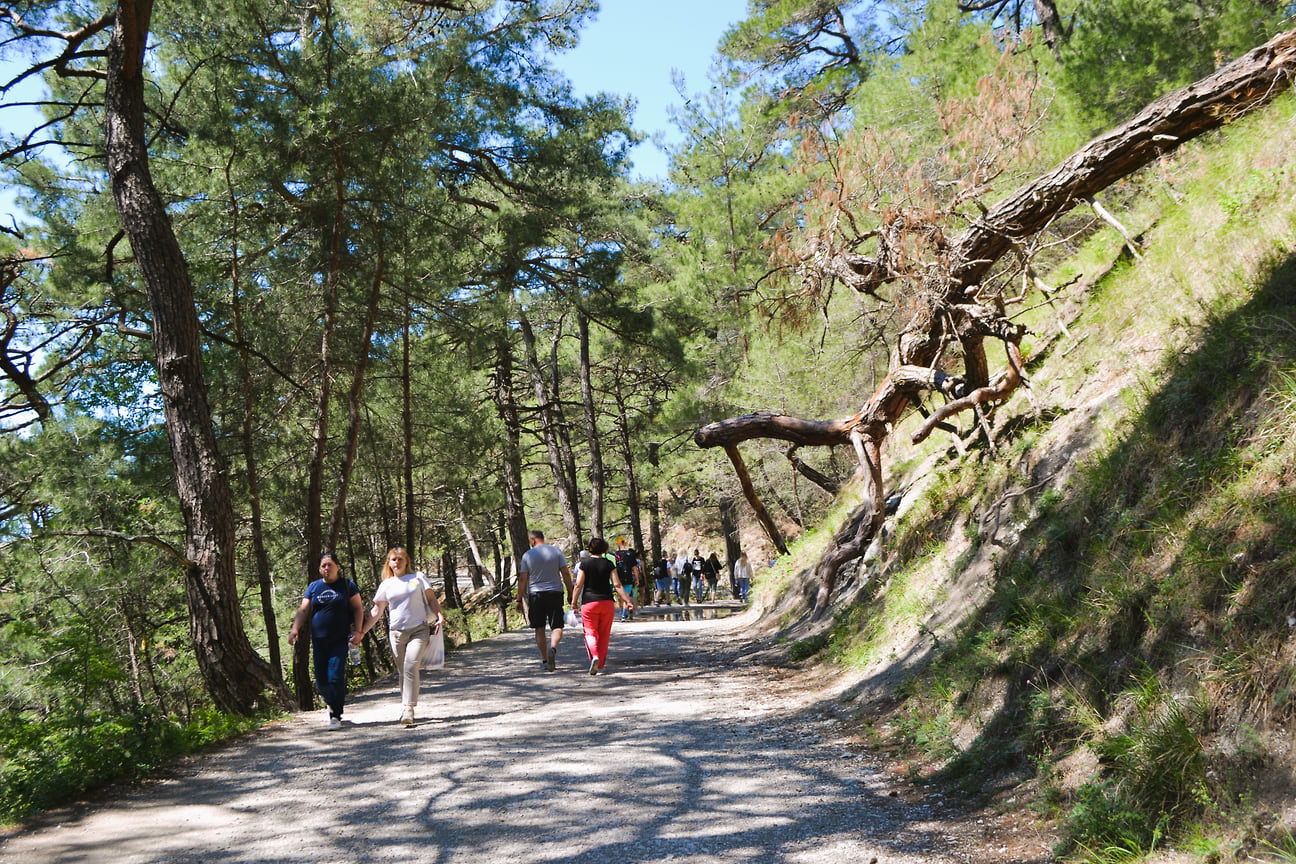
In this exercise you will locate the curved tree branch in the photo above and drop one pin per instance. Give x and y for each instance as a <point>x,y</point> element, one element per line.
<point>950,296</point>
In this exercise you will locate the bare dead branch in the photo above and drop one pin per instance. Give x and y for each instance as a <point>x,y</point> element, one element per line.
<point>823,481</point>
<point>744,478</point>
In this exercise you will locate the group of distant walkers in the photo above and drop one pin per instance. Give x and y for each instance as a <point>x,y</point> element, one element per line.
<point>601,592</point>
<point>681,576</point>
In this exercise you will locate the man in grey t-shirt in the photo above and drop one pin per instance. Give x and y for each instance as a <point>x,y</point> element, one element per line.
<point>542,575</point>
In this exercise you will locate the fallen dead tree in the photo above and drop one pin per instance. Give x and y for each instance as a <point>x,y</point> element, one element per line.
<point>949,303</point>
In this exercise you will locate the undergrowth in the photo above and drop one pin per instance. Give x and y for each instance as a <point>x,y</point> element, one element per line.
<point>48,762</point>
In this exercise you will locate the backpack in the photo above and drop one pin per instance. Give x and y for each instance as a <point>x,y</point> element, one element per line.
<point>625,567</point>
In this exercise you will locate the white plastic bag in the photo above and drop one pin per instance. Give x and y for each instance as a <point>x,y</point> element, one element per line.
<point>571,619</point>
<point>434,653</point>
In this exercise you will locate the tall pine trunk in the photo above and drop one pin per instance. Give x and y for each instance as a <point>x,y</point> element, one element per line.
<point>596,472</point>
<point>549,422</point>
<point>511,461</point>
<point>260,556</point>
<point>563,429</point>
<point>319,449</point>
<point>654,509</point>
<point>729,528</point>
<point>627,459</point>
<point>407,434</point>
<point>353,407</point>
<point>237,678</point>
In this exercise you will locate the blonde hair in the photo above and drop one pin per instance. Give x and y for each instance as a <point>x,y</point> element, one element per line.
<point>387,571</point>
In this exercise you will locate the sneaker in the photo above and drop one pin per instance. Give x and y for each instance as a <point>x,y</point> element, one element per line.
<point>551,662</point>
<point>594,666</point>
<point>334,722</point>
<point>407,716</point>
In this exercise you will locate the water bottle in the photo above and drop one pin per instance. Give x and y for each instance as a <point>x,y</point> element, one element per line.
<point>353,654</point>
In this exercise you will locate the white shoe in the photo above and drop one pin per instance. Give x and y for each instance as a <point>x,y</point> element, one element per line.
<point>334,722</point>
<point>407,716</point>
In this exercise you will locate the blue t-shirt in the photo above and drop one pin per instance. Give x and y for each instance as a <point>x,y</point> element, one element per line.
<point>331,612</point>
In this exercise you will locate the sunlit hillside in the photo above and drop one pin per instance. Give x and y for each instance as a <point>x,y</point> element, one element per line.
<point>1095,616</point>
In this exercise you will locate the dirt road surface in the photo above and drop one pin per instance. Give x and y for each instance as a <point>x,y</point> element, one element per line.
<point>685,752</point>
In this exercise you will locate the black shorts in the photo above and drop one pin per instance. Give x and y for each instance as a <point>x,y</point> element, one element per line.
<point>545,608</point>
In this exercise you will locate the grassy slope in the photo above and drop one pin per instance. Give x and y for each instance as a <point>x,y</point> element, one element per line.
<point>1103,613</point>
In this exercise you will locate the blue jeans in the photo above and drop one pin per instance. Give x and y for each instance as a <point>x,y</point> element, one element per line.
<point>330,656</point>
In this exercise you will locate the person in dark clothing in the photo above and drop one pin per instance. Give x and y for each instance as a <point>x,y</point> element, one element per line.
<point>685,578</point>
<point>336,615</point>
<point>597,583</point>
<point>711,572</point>
<point>662,576</point>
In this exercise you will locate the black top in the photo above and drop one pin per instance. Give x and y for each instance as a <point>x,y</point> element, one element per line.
<point>598,579</point>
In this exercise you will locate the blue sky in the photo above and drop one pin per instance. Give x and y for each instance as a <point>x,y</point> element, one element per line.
<point>631,48</point>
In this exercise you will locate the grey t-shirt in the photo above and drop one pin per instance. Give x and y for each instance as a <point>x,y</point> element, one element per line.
<point>544,563</point>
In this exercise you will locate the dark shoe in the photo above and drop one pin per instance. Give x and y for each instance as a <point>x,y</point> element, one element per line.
<point>551,662</point>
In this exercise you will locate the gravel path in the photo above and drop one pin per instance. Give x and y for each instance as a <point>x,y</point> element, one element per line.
<point>681,753</point>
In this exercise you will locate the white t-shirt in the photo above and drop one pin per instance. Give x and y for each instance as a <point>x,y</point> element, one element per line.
<point>407,608</point>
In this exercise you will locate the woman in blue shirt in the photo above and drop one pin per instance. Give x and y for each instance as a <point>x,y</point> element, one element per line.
<point>336,614</point>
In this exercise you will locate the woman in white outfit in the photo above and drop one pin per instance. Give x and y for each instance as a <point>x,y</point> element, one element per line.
<point>414,614</point>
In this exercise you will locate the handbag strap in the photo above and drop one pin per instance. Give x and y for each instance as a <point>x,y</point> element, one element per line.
<point>427,608</point>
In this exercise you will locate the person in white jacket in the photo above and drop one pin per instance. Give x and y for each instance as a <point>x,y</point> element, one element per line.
<point>742,571</point>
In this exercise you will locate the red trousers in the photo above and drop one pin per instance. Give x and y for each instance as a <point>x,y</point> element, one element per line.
<point>596,619</point>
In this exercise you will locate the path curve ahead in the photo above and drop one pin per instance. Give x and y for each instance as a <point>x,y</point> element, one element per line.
<point>682,753</point>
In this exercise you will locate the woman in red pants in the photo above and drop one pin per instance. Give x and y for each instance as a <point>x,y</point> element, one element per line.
<point>595,590</point>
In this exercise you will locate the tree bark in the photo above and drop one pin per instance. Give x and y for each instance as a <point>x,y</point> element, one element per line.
<point>729,528</point>
<point>237,678</point>
<point>511,459</point>
<point>1243,85</point>
<point>654,509</point>
<point>353,409</point>
<point>596,471</point>
<point>762,515</point>
<point>627,458</point>
<point>407,433</point>
<point>563,429</point>
<point>314,527</point>
<point>1051,24</point>
<point>475,562</point>
<point>259,554</point>
<point>549,422</point>
<point>449,570</point>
